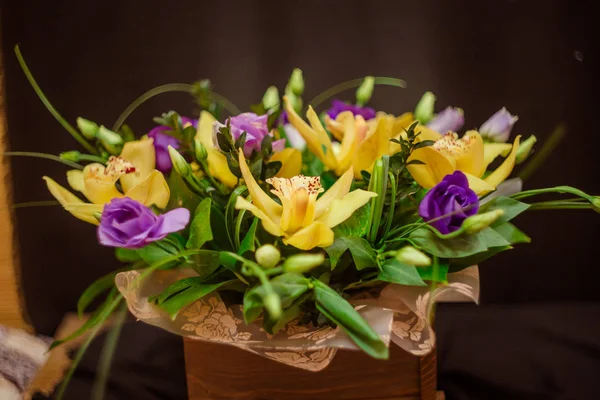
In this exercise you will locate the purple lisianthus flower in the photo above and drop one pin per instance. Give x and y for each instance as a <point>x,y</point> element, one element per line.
<point>497,128</point>
<point>338,106</point>
<point>256,129</point>
<point>162,141</point>
<point>451,196</point>
<point>129,224</point>
<point>449,120</point>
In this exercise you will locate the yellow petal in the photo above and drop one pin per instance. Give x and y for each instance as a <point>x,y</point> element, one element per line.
<point>142,155</point>
<point>315,139</point>
<point>259,198</point>
<point>372,148</point>
<point>316,234</point>
<point>478,185</point>
<point>65,198</point>
<point>342,209</point>
<point>349,144</point>
<point>493,150</point>
<point>504,170</point>
<point>217,162</point>
<point>269,225</point>
<point>338,190</point>
<point>402,122</point>
<point>99,187</point>
<point>76,181</point>
<point>335,127</point>
<point>471,161</point>
<point>426,133</point>
<point>153,190</point>
<point>436,166</point>
<point>291,162</point>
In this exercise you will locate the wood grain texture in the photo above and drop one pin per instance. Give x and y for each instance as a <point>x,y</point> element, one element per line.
<point>216,372</point>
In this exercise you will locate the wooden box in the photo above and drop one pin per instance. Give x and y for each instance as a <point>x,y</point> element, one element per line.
<point>216,371</point>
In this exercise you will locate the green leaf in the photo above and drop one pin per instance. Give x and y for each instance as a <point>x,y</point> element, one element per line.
<point>200,230</point>
<point>357,225</point>
<point>181,195</point>
<point>362,252</point>
<point>336,251</point>
<point>462,246</point>
<point>456,264</point>
<point>157,251</point>
<point>186,297</point>
<point>97,287</point>
<point>230,212</point>
<point>511,208</point>
<point>126,255</point>
<point>394,271</point>
<point>248,242</point>
<point>429,274</point>
<point>512,234</point>
<point>491,238</point>
<point>273,326</point>
<point>335,308</point>
<point>219,230</point>
<point>204,263</point>
<point>175,288</point>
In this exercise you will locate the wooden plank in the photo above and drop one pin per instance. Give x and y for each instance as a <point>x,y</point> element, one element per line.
<point>216,372</point>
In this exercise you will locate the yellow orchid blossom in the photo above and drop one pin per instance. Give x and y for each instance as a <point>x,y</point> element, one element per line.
<point>135,170</point>
<point>301,219</point>
<point>361,142</point>
<point>468,154</point>
<point>291,159</point>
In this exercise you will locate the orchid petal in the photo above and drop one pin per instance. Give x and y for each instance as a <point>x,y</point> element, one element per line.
<point>270,226</point>
<point>316,234</point>
<point>372,148</point>
<point>217,162</point>
<point>338,190</point>
<point>291,162</point>
<point>478,185</point>
<point>259,198</point>
<point>66,198</point>
<point>350,141</point>
<point>99,187</point>
<point>492,150</point>
<point>342,209</point>
<point>504,170</point>
<point>472,160</point>
<point>436,166</point>
<point>153,190</point>
<point>76,181</point>
<point>142,155</point>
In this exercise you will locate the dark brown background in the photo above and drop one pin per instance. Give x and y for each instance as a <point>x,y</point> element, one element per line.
<point>538,58</point>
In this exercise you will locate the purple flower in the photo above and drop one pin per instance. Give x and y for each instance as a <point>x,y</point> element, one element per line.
<point>497,128</point>
<point>451,196</point>
<point>338,106</point>
<point>256,129</point>
<point>162,141</point>
<point>129,224</point>
<point>449,120</point>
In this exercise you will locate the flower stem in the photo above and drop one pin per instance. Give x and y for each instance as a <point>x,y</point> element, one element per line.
<point>169,87</point>
<point>557,189</point>
<point>76,135</point>
<point>43,155</point>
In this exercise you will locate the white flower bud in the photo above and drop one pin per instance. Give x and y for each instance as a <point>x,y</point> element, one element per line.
<point>267,256</point>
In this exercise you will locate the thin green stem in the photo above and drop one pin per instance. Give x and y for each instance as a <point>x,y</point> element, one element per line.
<point>238,228</point>
<point>354,83</point>
<point>76,135</point>
<point>169,87</point>
<point>35,204</point>
<point>557,189</point>
<point>44,156</point>
<point>274,271</point>
<point>542,155</point>
<point>89,157</point>
<point>388,223</point>
<point>540,206</point>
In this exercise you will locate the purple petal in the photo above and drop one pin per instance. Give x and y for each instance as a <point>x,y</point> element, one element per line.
<point>497,128</point>
<point>449,120</point>
<point>278,145</point>
<point>173,221</point>
<point>338,107</point>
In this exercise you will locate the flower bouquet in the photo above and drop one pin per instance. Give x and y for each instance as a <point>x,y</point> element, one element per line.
<point>291,233</point>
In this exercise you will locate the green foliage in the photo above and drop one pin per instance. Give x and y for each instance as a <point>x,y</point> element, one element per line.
<point>336,309</point>
<point>126,255</point>
<point>394,271</point>
<point>336,251</point>
<point>248,242</point>
<point>205,98</point>
<point>185,294</point>
<point>362,252</point>
<point>512,234</point>
<point>511,208</point>
<point>200,228</point>
<point>431,273</point>
<point>205,263</point>
<point>357,225</point>
<point>462,246</point>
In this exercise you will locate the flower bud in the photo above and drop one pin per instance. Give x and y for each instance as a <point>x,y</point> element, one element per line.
<point>88,128</point>
<point>272,303</point>
<point>200,150</point>
<point>525,148</point>
<point>295,101</point>
<point>424,108</point>
<point>365,91</point>
<point>411,256</point>
<point>270,99</point>
<point>497,128</point>
<point>267,256</point>
<point>479,222</point>
<point>301,263</point>
<point>596,203</point>
<point>112,142</point>
<point>181,166</point>
<point>449,120</point>
<point>296,83</point>
<point>70,156</point>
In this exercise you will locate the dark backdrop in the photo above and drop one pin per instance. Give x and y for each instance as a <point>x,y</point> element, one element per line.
<point>538,58</point>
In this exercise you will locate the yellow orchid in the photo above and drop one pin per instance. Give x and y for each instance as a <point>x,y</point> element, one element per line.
<point>291,159</point>
<point>301,219</point>
<point>135,169</point>
<point>468,154</point>
<point>361,143</point>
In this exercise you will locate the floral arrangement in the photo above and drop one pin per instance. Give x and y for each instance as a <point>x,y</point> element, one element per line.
<point>327,227</point>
